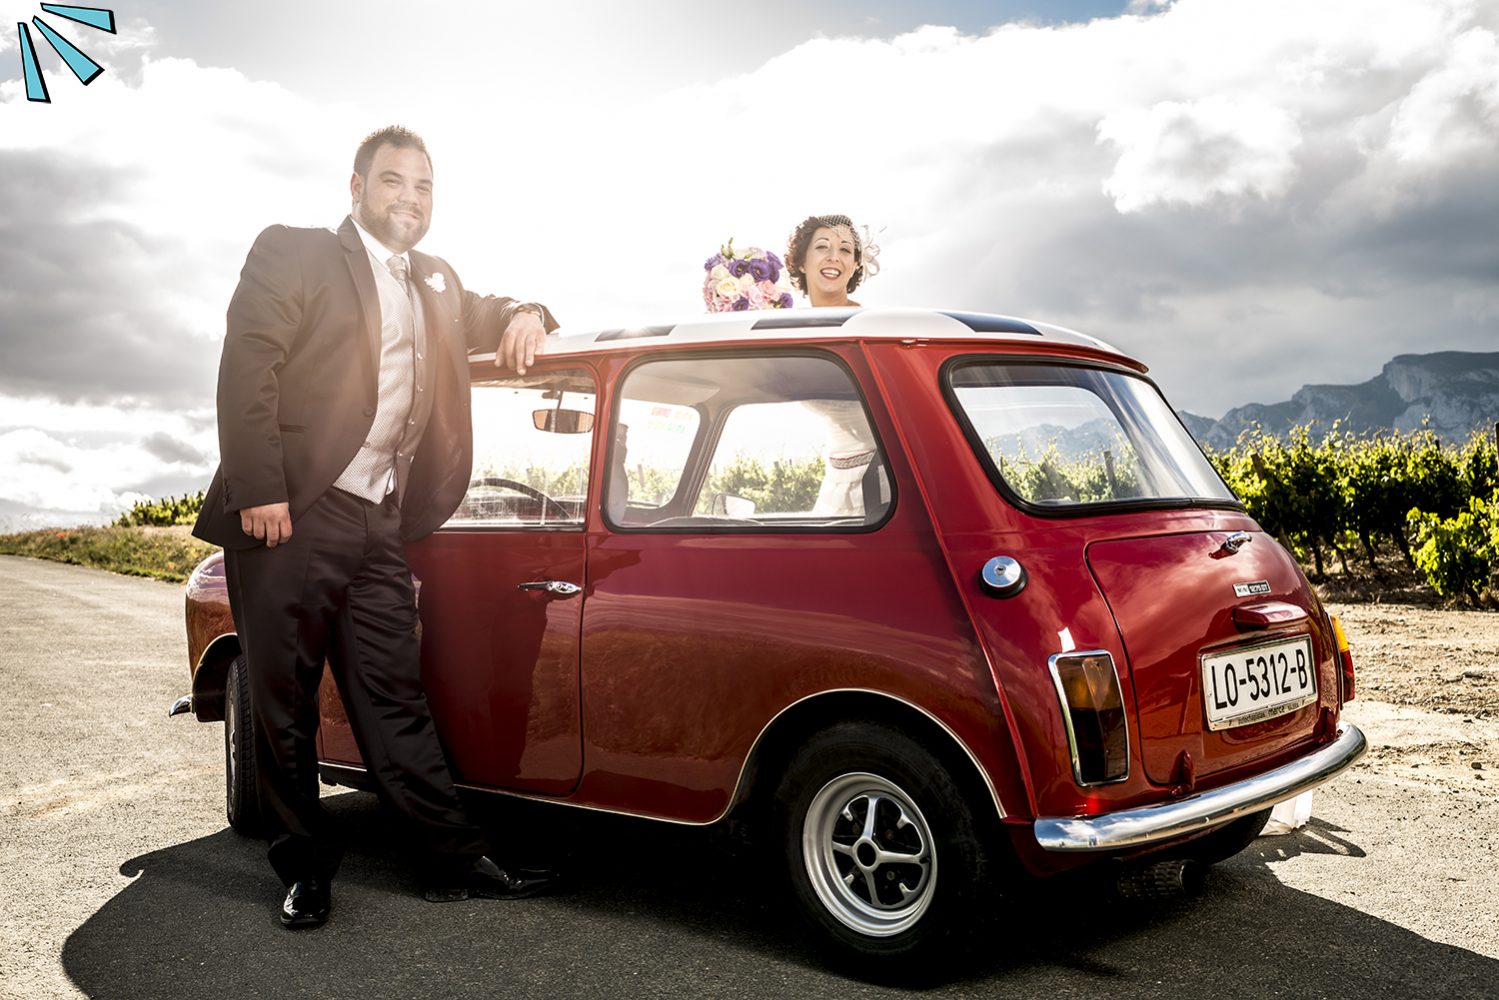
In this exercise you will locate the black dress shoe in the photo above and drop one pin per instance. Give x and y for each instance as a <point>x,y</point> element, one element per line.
<point>489,881</point>
<point>306,905</point>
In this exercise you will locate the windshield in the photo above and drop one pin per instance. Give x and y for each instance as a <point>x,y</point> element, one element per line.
<point>1060,436</point>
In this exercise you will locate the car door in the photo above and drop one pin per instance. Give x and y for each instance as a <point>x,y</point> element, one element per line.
<point>502,586</point>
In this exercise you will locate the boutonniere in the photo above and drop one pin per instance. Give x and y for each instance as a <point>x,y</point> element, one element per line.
<point>437,282</point>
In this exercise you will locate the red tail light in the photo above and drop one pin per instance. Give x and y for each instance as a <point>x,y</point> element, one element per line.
<point>1345,659</point>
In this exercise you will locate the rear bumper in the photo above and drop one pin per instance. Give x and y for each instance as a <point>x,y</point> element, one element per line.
<point>1147,825</point>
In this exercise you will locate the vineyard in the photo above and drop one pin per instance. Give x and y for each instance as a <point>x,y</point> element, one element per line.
<point>162,513</point>
<point>1338,496</point>
<point>1347,496</point>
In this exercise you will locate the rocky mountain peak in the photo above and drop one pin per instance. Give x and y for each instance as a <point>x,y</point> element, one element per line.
<point>1452,392</point>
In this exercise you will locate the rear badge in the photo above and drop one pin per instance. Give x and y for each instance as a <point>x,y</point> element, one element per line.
<point>1251,589</point>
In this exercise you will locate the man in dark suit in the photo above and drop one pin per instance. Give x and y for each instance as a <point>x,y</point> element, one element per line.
<point>344,431</point>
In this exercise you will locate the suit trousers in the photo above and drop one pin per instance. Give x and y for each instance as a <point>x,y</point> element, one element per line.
<point>340,588</point>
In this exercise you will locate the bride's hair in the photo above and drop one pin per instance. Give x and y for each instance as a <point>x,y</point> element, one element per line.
<point>801,238</point>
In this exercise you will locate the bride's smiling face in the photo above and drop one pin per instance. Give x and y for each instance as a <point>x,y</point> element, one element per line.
<point>829,263</point>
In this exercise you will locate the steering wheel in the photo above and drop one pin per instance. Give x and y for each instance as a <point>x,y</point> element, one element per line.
<point>562,513</point>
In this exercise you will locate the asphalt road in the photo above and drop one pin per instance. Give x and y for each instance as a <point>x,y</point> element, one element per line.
<point>120,879</point>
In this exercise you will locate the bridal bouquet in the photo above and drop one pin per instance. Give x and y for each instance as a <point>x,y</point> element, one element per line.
<point>744,279</point>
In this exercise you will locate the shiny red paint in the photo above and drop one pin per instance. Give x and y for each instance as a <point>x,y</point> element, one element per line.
<point>650,690</point>
<point>501,664</point>
<point>1173,597</point>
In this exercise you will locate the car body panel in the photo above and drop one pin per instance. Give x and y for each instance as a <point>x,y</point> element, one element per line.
<point>688,648</point>
<point>500,664</point>
<point>1173,596</point>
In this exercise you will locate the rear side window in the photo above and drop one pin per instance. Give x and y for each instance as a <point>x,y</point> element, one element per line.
<point>1060,436</point>
<point>744,444</point>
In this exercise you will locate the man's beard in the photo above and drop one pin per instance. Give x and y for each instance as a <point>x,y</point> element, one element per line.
<point>403,231</point>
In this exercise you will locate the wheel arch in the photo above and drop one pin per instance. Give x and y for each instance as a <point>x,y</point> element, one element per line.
<point>793,725</point>
<point>209,677</point>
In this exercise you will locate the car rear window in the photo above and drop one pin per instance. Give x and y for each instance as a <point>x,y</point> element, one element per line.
<point>1060,436</point>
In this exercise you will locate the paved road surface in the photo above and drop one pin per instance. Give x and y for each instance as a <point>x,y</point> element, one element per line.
<point>119,878</point>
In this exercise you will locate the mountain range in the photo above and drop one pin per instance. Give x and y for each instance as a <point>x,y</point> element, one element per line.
<point>1452,392</point>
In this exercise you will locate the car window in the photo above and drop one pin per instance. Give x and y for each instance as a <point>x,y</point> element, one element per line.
<point>1061,436</point>
<point>532,441</point>
<point>745,443</point>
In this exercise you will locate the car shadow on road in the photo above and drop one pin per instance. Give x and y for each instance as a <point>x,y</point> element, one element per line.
<point>653,910</point>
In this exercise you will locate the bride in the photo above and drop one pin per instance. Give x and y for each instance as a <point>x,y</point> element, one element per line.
<point>826,259</point>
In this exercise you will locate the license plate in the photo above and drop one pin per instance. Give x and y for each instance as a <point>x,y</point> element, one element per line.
<point>1254,683</point>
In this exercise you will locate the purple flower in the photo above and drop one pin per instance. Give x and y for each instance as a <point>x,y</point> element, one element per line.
<point>762,270</point>
<point>741,304</point>
<point>784,302</point>
<point>737,267</point>
<point>713,262</point>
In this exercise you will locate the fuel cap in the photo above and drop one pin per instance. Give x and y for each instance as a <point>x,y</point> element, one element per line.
<point>1003,576</point>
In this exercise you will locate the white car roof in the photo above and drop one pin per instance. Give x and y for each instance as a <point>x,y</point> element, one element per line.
<point>822,325</point>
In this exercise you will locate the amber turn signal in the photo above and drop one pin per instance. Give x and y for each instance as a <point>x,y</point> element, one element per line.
<point>1345,660</point>
<point>1093,711</point>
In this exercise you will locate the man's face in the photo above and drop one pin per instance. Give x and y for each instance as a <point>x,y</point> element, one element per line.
<point>394,203</point>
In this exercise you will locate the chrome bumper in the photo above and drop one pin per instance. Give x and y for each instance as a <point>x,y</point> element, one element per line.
<point>181,706</point>
<point>1148,825</point>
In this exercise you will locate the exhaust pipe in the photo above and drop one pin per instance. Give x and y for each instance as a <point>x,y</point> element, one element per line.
<point>1175,878</point>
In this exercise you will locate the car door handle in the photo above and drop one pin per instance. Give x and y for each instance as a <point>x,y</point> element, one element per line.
<point>559,587</point>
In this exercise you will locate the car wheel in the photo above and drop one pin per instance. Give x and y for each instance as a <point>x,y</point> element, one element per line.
<point>883,852</point>
<point>1228,840</point>
<point>241,802</point>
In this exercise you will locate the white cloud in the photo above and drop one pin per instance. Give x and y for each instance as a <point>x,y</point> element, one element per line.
<point>99,460</point>
<point>39,470</point>
<point>1305,188</point>
<point>1453,111</point>
<point>132,207</point>
<point>1190,153</point>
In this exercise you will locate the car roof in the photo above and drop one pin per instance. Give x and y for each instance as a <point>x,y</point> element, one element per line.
<point>794,326</point>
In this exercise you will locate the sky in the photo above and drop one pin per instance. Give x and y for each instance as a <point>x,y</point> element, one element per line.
<point>1248,195</point>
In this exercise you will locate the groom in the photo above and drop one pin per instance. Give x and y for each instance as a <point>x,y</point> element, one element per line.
<point>344,432</point>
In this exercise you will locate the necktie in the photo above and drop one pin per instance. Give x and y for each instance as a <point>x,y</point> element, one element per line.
<point>397,265</point>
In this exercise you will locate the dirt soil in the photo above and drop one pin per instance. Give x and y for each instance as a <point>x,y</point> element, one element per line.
<point>1428,693</point>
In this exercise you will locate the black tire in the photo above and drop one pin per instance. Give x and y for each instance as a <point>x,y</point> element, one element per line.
<point>241,800</point>
<point>873,912</point>
<point>1229,839</point>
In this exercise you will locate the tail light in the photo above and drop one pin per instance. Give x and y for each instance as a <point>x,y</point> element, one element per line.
<point>1345,660</point>
<point>1093,710</point>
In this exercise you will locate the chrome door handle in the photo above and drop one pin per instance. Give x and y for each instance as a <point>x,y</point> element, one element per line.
<point>1236,541</point>
<point>559,587</point>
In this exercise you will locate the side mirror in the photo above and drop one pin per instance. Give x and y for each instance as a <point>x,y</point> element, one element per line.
<point>728,505</point>
<point>562,421</point>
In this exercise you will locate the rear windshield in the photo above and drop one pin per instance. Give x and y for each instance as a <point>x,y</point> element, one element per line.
<point>1063,436</point>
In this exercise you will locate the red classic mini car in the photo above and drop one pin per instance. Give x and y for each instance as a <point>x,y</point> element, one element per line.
<point>942,598</point>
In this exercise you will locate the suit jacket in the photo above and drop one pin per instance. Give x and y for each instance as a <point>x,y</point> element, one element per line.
<point>297,380</point>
